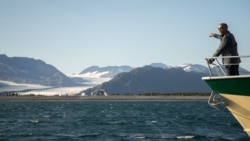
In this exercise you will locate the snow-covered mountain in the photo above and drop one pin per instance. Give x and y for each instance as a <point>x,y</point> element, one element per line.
<point>193,68</point>
<point>96,75</point>
<point>105,72</point>
<point>21,74</point>
<point>111,71</point>
<point>150,79</point>
<point>186,67</point>
<point>158,65</point>
<point>26,70</point>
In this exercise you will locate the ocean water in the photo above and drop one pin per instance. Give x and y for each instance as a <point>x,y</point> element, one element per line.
<point>117,121</point>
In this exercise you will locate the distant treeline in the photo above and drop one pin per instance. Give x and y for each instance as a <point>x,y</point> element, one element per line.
<point>164,94</point>
<point>117,94</point>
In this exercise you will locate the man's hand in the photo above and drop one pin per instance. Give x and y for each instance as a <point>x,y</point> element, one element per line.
<point>210,61</point>
<point>211,34</point>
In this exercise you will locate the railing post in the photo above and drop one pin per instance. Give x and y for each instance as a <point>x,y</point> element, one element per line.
<point>209,68</point>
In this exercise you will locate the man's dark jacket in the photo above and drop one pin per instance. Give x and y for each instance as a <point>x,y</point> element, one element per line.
<point>227,47</point>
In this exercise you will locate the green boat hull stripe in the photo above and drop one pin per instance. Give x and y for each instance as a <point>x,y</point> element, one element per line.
<point>235,86</point>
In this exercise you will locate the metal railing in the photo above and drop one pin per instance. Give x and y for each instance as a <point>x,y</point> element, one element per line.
<point>216,68</point>
<point>219,68</point>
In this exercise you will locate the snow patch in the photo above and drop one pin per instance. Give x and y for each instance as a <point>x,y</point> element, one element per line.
<point>92,78</point>
<point>12,86</point>
<point>192,68</point>
<point>61,91</point>
<point>33,89</point>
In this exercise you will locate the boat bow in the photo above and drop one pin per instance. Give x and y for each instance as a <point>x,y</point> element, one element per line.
<point>234,90</point>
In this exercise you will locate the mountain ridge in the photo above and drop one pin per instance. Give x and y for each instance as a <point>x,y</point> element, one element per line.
<point>150,79</point>
<point>107,71</point>
<point>110,71</point>
<point>31,71</point>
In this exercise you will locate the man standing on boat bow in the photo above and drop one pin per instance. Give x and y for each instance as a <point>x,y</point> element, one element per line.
<point>227,48</point>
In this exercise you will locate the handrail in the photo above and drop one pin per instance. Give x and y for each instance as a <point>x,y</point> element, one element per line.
<point>219,67</point>
<point>220,57</point>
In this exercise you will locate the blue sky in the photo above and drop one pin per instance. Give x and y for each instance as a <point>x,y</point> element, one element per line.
<point>75,34</point>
